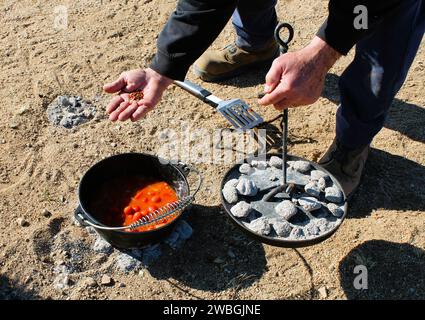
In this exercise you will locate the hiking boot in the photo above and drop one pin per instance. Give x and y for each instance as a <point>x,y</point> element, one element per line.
<point>216,65</point>
<point>346,165</point>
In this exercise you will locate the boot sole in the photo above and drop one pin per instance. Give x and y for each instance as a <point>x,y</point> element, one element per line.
<point>224,76</point>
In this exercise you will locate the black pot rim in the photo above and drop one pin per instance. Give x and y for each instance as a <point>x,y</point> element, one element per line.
<point>93,220</point>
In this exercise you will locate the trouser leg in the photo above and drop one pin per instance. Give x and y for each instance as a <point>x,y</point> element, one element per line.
<point>370,83</point>
<point>254,22</point>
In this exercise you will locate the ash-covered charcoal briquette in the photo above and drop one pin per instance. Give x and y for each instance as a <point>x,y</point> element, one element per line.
<point>246,186</point>
<point>309,203</point>
<point>286,209</point>
<point>297,233</point>
<point>282,228</point>
<point>311,229</point>
<point>261,226</point>
<point>300,166</point>
<point>259,164</point>
<point>229,191</point>
<point>276,162</point>
<point>315,175</point>
<point>245,168</point>
<point>333,194</point>
<point>241,209</point>
<point>321,184</point>
<point>335,210</point>
<point>312,189</point>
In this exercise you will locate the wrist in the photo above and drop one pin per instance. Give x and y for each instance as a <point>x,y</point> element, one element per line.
<point>324,53</point>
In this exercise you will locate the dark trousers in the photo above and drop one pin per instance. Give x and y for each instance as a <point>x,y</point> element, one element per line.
<point>370,83</point>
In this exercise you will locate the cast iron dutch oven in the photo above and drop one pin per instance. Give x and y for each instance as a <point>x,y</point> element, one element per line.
<point>122,165</point>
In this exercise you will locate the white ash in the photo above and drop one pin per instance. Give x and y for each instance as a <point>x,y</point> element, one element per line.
<point>300,165</point>
<point>297,233</point>
<point>311,229</point>
<point>102,246</point>
<point>321,184</point>
<point>241,209</point>
<point>312,189</point>
<point>246,186</point>
<point>276,162</point>
<point>259,164</point>
<point>61,282</point>
<point>261,226</point>
<point>333,194</point>
<point>309,203</point>
<point>315,175</point>
<point>70,111</point>
<point>230,193</point>
<point>245,168</point>
<point>282,228</point>
<point>286,209</point>
<point>126,263</point>
<point>335,210</point>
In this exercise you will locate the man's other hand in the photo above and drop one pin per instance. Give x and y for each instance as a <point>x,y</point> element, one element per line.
<point>297,78</point>
<point>151,83</point>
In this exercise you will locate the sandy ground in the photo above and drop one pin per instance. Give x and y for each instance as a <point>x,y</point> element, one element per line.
<point>40,167</point>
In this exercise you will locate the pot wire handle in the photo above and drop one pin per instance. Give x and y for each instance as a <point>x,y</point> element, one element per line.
<point>169,210</point>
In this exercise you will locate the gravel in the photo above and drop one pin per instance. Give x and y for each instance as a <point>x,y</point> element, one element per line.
<point>70,111</point>
<point>286,209</point>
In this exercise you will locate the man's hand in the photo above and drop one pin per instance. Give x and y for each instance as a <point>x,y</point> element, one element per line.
<point>147,80</point>
<point>297,78</point>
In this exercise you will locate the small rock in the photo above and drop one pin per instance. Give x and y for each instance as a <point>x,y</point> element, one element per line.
<point>61,282</point>
<point>245,168</point>
<point>89,282</point>
<point>309,203</point>
<point>246,187</point>
<point>46,213</point>
<point>113,144</point>
<point>336,210</point>
<point>276,162</point>
<point>261,165</point>
<point>13,123</point>
<point>311,229</point>
<point>323,292</point>
<point>286,209</point>
<point>22,222</point>
<point>312,189</point>
<point>333,194</point>
<point>106,280</point>
<point>102,246</point>
<point>241,209</point>
<point>126,263</point>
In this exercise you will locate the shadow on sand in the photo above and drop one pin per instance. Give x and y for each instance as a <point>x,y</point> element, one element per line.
<point>394,271</point>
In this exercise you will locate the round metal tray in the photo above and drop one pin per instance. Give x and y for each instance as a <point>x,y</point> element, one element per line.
<point>234,173</point>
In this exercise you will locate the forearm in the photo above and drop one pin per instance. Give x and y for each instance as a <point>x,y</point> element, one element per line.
<point>190,30</point>
<point>339,30</point>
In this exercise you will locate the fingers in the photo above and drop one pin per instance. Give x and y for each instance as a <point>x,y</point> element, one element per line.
<point>273,77</point>
<point>140,113</point>
<point>280,92</point>
<point>114,103</point>
<point>126,114</point>
<point>115,114</point>
<point>115,86</point>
